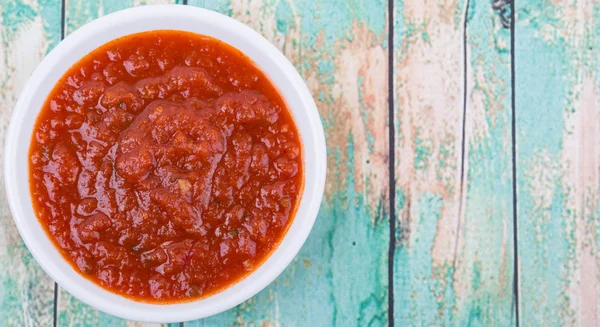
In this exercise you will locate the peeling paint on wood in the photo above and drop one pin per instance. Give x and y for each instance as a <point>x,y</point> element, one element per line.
<point>28,32</point>
<point>453,263</point>
<point>558,112</point>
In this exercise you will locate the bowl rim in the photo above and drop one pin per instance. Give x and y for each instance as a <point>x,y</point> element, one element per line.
<point>269,59</point>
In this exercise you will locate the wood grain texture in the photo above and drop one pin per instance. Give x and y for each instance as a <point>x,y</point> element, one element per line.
<point>453,263</point>
<point>340,276</point>
<point>70,311</point>
<point>28,30</point>
<point>558,140</point>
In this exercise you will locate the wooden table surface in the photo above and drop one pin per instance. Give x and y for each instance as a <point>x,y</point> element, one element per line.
<point>463,182</point>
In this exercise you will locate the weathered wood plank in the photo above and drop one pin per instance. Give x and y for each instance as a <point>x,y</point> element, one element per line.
<point>453,263</point>
<point>28,30</point>
<point>72,312</point>
<point>340,276</point>
<point>557,52</point>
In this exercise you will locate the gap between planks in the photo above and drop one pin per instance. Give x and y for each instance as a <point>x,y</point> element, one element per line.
<point>391,163</point>
<point>514,164</point>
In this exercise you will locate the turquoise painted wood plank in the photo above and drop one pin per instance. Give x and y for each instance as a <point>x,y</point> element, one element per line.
<point>70,311</point>
<point>453,262</point>
<point>28,31</point>
<point>340,276</point>
<point>558,141</point>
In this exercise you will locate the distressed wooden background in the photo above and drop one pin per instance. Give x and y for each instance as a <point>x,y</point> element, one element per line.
<point>463,152</point>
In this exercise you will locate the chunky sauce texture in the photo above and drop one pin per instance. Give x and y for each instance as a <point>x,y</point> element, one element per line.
<point>165,166</point>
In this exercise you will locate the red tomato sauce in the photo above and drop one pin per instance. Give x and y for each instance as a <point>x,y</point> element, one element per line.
<point>165,166</point>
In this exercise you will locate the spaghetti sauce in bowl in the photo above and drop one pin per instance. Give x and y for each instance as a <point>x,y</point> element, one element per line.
<point>165,166</point>
<point>164,163</point>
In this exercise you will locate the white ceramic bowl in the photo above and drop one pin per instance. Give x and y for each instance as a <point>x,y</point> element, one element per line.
<point>169,17</point>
